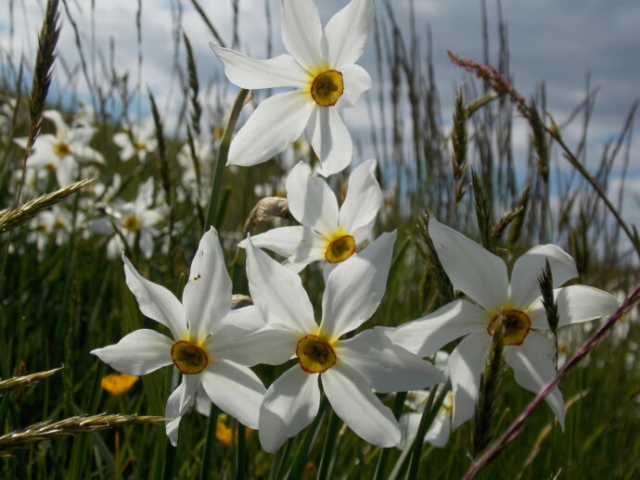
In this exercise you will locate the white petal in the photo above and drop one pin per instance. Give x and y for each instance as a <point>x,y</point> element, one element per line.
<point>236,390</point>
<point>347,32</point>
<point>533,367</point>
<point>363,200</point>
<point>387,368</point>
<point>302,32</point>
<point>466,364</point>
<point>356,81</point>
<point>527,270</point>
<point>428,334</point>
<point>300,244</point>
<point>472,269</point>
<point>138,353</point>
<point>207,294</point>
<point>290,404</point>
<point>172,427</point>
<point>155,301</point>
<point>249,73</point>
<point>330,140</point>
<point>183,397</point>
<point>279,292</point>
<point>277,122</point>
<point>62,129</point>
<point>356,287</point>
<point>311,200</point>
<point>356,405</point>
<point>247,319</point>
<point>269,346</point>
<point>576,304</point>
<point>440,430</point>
<point>409,424</point>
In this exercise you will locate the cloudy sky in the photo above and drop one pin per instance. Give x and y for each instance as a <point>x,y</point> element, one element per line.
<point>551,41</point>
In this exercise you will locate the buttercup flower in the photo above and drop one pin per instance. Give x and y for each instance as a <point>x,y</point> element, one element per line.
<point>327,233</point>
<point>348,369</point>
<point>483,277</point>
<point>205,339</point>
<point>320,65</point>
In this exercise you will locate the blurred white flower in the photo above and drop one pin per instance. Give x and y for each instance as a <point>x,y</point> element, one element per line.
<point>349,368</point>
<point>483,277</point>
<point>328,233</point>
<point>63,152</point>
<point>320,65</point>
<point>206,344</point>
<point>137,140</point>
<point>196,171</point>
<point>52,226</point>
<point>137,221</point>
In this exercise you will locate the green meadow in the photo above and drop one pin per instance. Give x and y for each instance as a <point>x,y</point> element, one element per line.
<point>93,166</point>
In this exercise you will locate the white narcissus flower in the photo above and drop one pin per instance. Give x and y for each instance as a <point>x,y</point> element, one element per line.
<point>349,369</point>
<point>63,152</point>
<point>483,277</point>
<point>328,233</point>
<point>206,344</point>
<point>320,65</point>
<point>140,141</point>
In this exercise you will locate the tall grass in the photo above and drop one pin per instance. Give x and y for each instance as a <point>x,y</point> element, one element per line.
<point>61,296</point>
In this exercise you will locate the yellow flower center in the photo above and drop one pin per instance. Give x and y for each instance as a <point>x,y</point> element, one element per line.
<point>132,223</point>
<point>62,149</point>
<point>340,249</point>
<point>188,357</point>
<point>141,145</point>
<point>516,326</point>
<point>327,87</point>
<point>315,354</point>
<point>50,166</point>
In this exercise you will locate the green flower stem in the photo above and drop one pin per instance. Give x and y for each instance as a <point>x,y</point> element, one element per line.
<point>210,439</point>
<point>223,154</point>
<point>241,452</point>
<point>381,467</point>
<point>430,412</point>
<point>330,447</point>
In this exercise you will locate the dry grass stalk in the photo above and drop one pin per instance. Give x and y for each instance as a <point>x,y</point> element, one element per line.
<point>43,431</point>
<point>25,380</point>
<point>11,218</point>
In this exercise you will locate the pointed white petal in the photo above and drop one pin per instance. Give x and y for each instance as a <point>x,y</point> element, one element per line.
<point>155,301</point>
<point>525,287</point>
<point>62,129</point>
<point>472,269</point>
<point>279,292</point>
<point>311,200</point>
<point>576,304</point>
<point>283,241</point>
<point>347,32</point>
<point>138,353</point>
<point>269,346</point>
<point>426,335</point>
<point>236,390</point>
<point>207,294</point>
<point>363,200</point>
<point>302,32</point>
<point>183,397</point>
<point>440,430</point>
<point>247,319</point>
<point>290,404</point>
<point>533,367</point>
<point>252,74</point>
<point>356,287</point>
<point>356,405</point>
<point>387,368</point>
<point>466,363</point>
<point>277,122</point>
<point>172,428</point>
<point>356,81</point>
<point>330,140</point>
